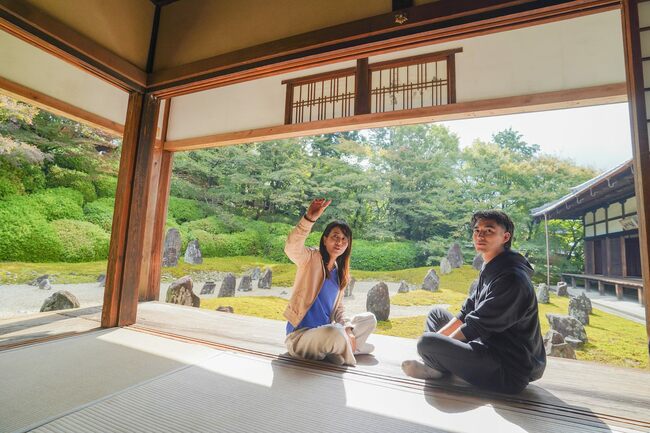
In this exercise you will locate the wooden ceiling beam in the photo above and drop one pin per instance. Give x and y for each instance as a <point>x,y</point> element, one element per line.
<point>437,22</point>
<point>39,29</point>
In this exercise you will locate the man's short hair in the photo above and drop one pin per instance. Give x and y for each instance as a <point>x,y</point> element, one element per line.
<point>501,218</point>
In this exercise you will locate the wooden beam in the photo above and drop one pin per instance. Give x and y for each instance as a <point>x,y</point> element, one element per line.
<point>597,95</point>
<point>28,23</point>
<point>427,24</point>
<point>640,139</point>
<point>134,220</point>
<point>56,106</point>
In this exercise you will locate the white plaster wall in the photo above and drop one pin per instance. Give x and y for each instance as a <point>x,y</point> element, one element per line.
<point>36,69</point>
<point>581,52</point>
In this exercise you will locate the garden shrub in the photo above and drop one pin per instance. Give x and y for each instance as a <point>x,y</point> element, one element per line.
<point>77,180</point>
<point>100,212</point>
<point>57,203</point>
<point>105,186</point>
<point>81,241</point>
<point>9,185</point>
<point>246,243</point>
<point>383,256</point>
<point>184,210</point>
<point>25,235</point>
<point>210,224</point>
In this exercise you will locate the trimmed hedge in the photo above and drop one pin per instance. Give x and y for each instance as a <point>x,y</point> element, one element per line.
<point>383,256</point>
<point>81,241</point>
<point>100,212</point>
<point>76,180</point>
<point>184,210</point>
<point>25,235</point>
<point>246,243</point>
<point>58,203</point>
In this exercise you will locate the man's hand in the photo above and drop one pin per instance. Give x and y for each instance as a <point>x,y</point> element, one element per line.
<point>353,339</point>
<point>316,208</point>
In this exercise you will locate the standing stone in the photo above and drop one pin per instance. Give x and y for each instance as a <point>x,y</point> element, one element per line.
<point>455,256</point>
<point>568,326</point>
<point>473,287</point>
<point>556,346</point>
<point>245,284</point>
<point>378,301</point>
<point>225,309</point>
<point>61,300</point>
<point>44,285</point>
<point>208,288</point>
<point>431,281</point>
<point>562,289</point>
<point>445,266</point>
<point>477,263</point>
<point>193,253</point>
<point>542,294</point>
<point>403,287</point>
<point>172,248</point>
<point>227,288</point>
<point>254,273</point>
<point>101,280</point>
<point>579,309</point>
<point>265,279</point>
<point>37,281</point>
<point>586,302</point>
<point>180,292</point>
<point>349,288</point>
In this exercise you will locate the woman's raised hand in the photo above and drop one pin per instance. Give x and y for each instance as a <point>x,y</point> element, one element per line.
<point>317,207</point>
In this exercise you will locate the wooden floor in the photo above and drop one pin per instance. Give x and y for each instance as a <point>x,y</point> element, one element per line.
<point>584,396</point>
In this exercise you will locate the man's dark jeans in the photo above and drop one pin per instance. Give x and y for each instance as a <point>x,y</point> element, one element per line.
<point>472,361</point>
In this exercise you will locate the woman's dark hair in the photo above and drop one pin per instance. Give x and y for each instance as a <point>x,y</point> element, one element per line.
<point>342,261</point>
<point>499,217</point>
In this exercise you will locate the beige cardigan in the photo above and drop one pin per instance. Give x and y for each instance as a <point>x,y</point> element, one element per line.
<point>309,277</point>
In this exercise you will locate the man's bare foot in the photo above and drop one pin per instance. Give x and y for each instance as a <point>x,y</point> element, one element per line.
<point>419,370</point>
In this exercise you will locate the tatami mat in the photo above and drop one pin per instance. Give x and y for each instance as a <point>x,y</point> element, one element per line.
<point>45,380</point>
<point>240,393</point>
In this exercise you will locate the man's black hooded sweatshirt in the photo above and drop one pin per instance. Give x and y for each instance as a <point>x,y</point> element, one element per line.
<point>501,314</point>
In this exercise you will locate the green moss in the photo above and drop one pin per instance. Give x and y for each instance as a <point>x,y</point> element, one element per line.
<point>267,307</point>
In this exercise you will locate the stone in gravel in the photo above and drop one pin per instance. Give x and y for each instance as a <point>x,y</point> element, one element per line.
<point>101,278</point>
<point>562,289</point>
<point>208,288</point>
<point>61,300</point>
<point>568,326</point>
<point>455,256</point>
<point>556,346</point>
<point>180,292</point>
<point>349,288</point>
<point>477,263</point>
<point>172,248</point>
<point>225,309</point>
<point>431,281</point>
<point>579,309</point>
<point>265,279</point>
<point>45,285</point>
<point>378,301</point>
<point>227,288</point>
<point>542,294</point>
<point>445,266</point>
<point>193,254</point>
<point>245,284</point>
<point>404,287</point>
<point>37,281</point>
<point>254,273</point>
<point>284,292</point>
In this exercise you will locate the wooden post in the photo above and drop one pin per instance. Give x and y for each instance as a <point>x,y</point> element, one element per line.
<point>134,216</point>
<point>548,253</point>
<point>641,145</point>
<point>619,291</point>
<point>641,296</point>
<point>587,285</point>
<point>573,282</point>
<point>362,88</point>
<point>601,288</point>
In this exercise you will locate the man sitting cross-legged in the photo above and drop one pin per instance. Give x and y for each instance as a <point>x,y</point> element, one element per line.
<point>495,341</point>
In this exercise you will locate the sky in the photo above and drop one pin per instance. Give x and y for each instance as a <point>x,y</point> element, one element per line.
<point>598,137</point>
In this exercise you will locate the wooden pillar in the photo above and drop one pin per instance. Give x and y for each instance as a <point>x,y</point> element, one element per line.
<point>641,296</point>
<point>639,125</point>
<point>601,288</point>
<point>136,213</point>
<point>362,88</point>
<point>587,285</point>
<point>573,282</point>
<point>619,291</point>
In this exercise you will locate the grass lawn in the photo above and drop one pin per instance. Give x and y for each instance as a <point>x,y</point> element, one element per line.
<point>268,307</point>
<point>612,340</point>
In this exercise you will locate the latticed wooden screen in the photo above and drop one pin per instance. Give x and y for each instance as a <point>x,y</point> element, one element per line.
<point>320,97</point>
<point>422,81</point>
<point>403,84</point>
